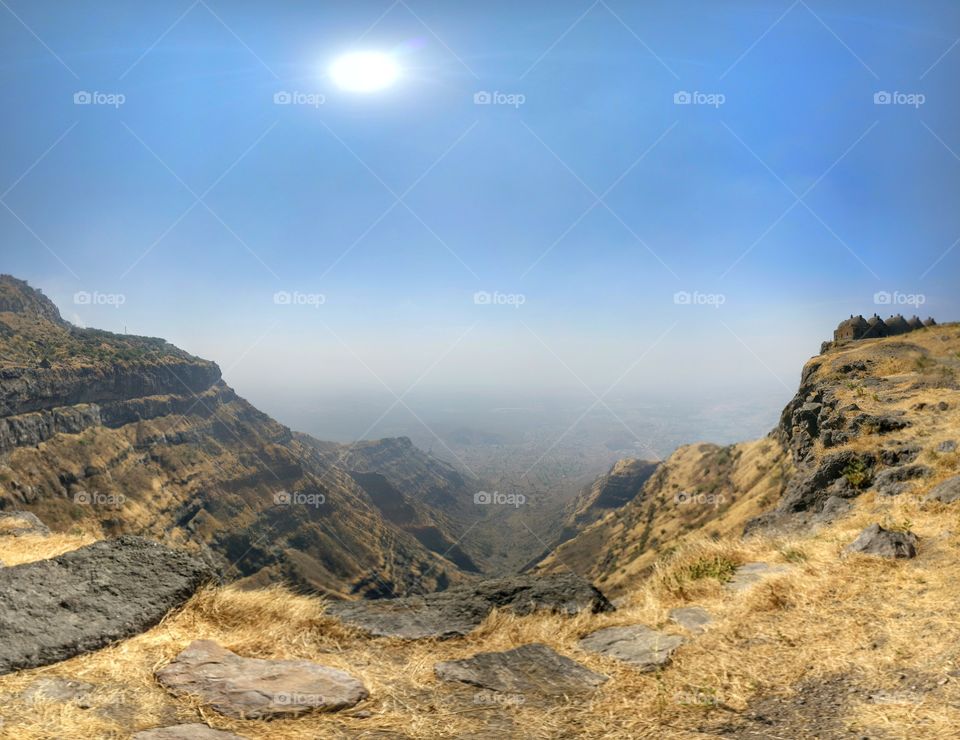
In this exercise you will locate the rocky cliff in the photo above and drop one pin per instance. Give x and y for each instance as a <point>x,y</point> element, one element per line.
<point>869,417</point>
<point>130,434</point>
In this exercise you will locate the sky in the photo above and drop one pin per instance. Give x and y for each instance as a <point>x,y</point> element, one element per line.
<point>661,197</point>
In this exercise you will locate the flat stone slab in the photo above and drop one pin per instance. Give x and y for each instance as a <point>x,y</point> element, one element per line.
<point>875,540</point>
<point>750,574</point>
<point>636,644</point>
<point>694,619</point>
<point>81,601</point>
<point>195,731</point>
<point>19,523</point>
<point>946,492</point>
<point>461,609</point>
<point>251,688</point>
<point>533,669</point>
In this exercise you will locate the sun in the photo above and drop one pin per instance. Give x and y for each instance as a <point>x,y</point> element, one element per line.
<point>364,71</point>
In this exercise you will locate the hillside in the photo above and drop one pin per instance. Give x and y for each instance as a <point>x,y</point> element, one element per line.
<point>868,419</point>
<point>784,633</point>
<point>112,434</point>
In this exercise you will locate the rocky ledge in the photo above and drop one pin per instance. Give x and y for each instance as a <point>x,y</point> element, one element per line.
<point>459,610</point>
<point>82,601</point>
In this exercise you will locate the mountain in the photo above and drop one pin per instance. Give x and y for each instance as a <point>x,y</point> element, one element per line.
<point>835,616</point>
<point>868,418</point>
<point>127,434</point>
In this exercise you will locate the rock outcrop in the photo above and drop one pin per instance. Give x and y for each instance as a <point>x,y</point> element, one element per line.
<point>55,609</point>
<point>875,540</point>
<point>461,609</point>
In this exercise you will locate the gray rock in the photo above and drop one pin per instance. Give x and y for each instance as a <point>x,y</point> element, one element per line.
<point>833,508</point>
<point>18,523</point>
<point>636,644</point>
<point>947,446</point>
<point>251,688</point>
<point>893,481</point>
<point>946,492</point>
<point>749,574</point>
<point>875,540</point>
<point>899,454</point>
<point>58,689</point>
<point>692,618</point>
<point>529,669</point>
<point>194,731</point>
<point>83,600</point>
<point>459,610</point>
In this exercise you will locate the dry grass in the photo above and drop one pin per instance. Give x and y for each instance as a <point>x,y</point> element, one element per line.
<point>861,617</point>
<point>30,547</point>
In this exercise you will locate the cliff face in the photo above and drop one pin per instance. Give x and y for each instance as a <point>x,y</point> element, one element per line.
<point>132,435</point>
<point>869,418</point>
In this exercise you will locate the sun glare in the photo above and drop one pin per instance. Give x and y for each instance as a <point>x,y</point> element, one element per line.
<point>364,71</point>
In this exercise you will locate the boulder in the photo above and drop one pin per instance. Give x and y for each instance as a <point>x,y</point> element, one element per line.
<point>894,481</point>
<point>251,688</point>
<point>194,731</point>
<point>529,669</point>
<point>875,540</point>
<point>459,610</point>
<point>18,523</point>
<point>946,492</point>
<point>694,619</point>
<point>947,446</point>
<point>83,600</point>
<point>636,644</point>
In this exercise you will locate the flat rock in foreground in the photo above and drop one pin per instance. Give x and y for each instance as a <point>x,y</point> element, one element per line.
<point>459,610</point>
<point>252,688</point>
<point>81,601</point>
<point>636,644</point>
<point>532,669</point>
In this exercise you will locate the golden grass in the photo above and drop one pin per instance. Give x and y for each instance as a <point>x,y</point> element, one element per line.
<point>830,615</point>
<point>30,547</point>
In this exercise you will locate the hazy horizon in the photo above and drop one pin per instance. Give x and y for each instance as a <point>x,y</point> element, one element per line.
<point>678,200</point>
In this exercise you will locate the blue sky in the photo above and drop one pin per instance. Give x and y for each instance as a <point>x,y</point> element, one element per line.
<point>790,201</point>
